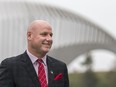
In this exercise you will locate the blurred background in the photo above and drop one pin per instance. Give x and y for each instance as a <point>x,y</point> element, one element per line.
<point>84,35</point>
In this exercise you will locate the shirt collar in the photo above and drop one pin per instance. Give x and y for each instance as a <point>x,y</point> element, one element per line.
<point>34,58</point>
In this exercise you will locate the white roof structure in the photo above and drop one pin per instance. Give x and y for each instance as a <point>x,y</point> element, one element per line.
<point>73,35</point>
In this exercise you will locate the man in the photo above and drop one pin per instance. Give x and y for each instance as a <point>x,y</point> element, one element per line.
<point>25,70</point>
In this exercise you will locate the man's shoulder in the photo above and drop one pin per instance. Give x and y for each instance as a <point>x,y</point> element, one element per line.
<point>11,60</point>
<point>55,60</point>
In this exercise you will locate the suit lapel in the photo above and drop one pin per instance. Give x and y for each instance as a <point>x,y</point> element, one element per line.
<point>51,70</point>
<point>30,69</point>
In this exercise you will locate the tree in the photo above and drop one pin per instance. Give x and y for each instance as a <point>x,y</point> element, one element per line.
<point>89,78</point>
<point>112,76</point>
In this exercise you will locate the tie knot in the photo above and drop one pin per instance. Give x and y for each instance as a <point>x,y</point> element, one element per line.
<point>40,61</point>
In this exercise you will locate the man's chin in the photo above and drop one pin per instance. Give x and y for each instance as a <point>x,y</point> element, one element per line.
<point>46,50</point>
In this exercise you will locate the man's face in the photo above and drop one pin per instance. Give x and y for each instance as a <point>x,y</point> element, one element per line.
<point>41,39</point>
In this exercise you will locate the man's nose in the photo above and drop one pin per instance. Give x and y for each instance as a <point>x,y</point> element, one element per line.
<point>49,37</point>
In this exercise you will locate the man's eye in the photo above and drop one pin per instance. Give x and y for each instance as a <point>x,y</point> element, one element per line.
<point>44,34</point>
<point>51,35</point>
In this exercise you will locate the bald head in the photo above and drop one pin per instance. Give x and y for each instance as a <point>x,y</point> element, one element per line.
<point>37,23</point>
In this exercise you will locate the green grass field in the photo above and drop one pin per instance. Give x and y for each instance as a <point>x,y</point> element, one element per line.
<point>103,79</point>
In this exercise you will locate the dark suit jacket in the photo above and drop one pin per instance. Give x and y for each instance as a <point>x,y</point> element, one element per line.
<point>19,72</point>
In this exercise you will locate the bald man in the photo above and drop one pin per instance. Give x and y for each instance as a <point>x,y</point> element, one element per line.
<point>24,70</point>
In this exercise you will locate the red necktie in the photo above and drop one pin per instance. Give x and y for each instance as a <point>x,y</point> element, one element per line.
<point>41,74</point>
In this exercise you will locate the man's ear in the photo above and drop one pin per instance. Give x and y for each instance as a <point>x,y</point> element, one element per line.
<point>29,35</point>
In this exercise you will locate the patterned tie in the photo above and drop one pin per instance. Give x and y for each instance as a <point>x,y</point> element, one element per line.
<point>41,74</point>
